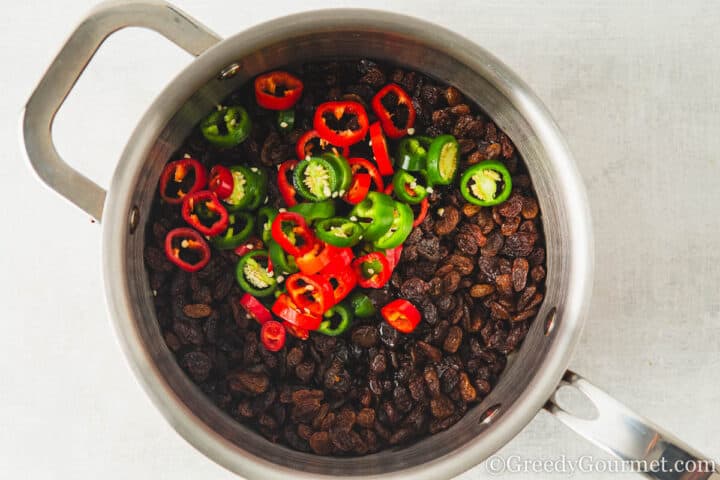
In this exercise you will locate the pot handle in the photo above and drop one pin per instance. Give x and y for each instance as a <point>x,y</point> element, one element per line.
<point>618,430</point>
<point>66,68</point>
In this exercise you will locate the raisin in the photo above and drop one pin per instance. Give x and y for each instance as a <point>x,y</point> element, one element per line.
<point>198,365</point>
<point>441,406</point>
<point>519,273</point>
<point>447,222</point>
<point>453,339</point>
<point>250,383</point>
<point>365,336</point>
<point>197,310</point>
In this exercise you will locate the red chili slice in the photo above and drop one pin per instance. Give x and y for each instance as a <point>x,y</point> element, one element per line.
<point>286,309</point>
<point>301,239</point>
<point>394,107</point>
<point>380,149</point>
<point>372,270</point>
<point>310,144</point>
<point>201,207</point>
<point>393,256</point>
<point>278,90</point>
<point>180,178</point>
<point>342,279</point>
<point>187,249</point>
<point>341,123</point>
<point>424,205</point>
<point>221,181</point>
<point>255,309</point>
<point>358,164</point>
<point>311,292</point>
<point>323,255</point>
<point>401,315</point>
<point>297,332</point>
<point>272,335</point>
<point>285,185</point>
<point>359,188</point>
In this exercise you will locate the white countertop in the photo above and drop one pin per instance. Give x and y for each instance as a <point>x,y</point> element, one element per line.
<point>633,85</point>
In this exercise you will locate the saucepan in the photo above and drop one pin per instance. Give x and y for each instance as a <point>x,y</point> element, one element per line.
<point>532,378</point>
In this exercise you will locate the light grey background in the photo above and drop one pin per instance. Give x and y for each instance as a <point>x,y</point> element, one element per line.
<point>634,86</point>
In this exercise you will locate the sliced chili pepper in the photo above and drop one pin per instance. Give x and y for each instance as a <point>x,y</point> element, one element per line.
<point>313,211</point>
<point>372,270</point>
<point>323,255</point>
<point>312,293</point>
<point>315,179</point>
<point>339,232</point>
<point>187,249</point>
<point>362,306</point>
<point>400,228</point>
<point>297,332</point>
<point>394,107</point>
<point>341,123</point>
<point>277,90</point>
<point>332,327</point>
<point>342,279</point>
<point>479,184</point>
<point>252,243</point>
<point>255,309</point>
<point>424,205</point>
<point>285,184</point>
<point>272,335</point>
<point>254,277</point>
<point>227,126</point>
<point>343,173</point>
<point>249,188</point>
<point>180,178</point>
<point>298,239</point>
<point>310,144</point>
<point>240,226</point>
<point>380,149</point>
<point>358,164</point>
<point>393,256</point>
<point>401,315</point>
<point>443,160</point>
<point>221,181</point>
<point>286,120</point>
<point>203,211</point>
<point>286,309</point>
<point>375,214</point>
<point>359,188</point>
<point>412,153</point>
<point>407,187</point>
<point>283,264</point>
<point>265,218</point>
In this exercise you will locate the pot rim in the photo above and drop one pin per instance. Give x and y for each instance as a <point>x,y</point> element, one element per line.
<point>192,78</point>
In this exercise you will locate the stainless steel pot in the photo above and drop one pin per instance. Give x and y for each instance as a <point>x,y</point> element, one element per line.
<point>532,377</point>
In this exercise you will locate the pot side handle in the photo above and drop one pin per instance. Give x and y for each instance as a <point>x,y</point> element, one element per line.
<point>66,68</point>
<point>647,448</point>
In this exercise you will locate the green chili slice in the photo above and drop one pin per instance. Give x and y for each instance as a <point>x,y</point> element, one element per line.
<point>375,214</point>
<point>227,126</point>
<point>402,225</point>
<point>339,232</point>
<point>338,320</point>
<point>240,225</point>
<point>315,179</point>
<point>486,184</point>
<point>266,215</point>
<point>362,306</point>
<point>407,186</point>
<point>412,153</point>
<point>442,160</point>
<point>253,276</point>
<point>313,211</point>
